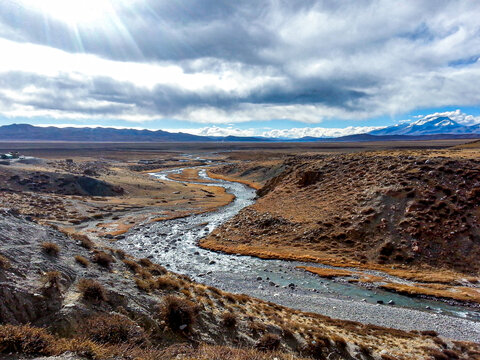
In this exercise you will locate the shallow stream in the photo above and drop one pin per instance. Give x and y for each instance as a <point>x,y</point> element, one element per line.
<point>173,243</point>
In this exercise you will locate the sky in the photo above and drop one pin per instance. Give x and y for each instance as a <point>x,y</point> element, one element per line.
<point>270,68</point>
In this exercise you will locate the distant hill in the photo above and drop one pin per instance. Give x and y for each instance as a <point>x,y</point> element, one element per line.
<point>434,129</point>
<point>24,132</point>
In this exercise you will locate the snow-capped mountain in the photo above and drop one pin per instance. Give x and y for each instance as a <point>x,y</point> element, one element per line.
<point>429,126</point>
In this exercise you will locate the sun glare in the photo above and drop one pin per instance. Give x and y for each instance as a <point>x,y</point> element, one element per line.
<point>73,11</point>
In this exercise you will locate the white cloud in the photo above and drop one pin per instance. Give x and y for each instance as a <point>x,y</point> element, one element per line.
<point>319,132</point>
<point>456,115</point>
<point>219,64</point>
<point>218,131</point>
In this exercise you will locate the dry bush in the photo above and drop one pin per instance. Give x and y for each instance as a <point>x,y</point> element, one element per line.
<point>146,285</point>
<point>268,342</point>
<point>256,327</point>
<point>84,241</point>
<point>429,333</point>
<point>103,259</point>
<point>229,320</point>
<point>144,274</point>
<point>82,260</point>
<point>167,283</point>
<point>51,279</point>
<point>156,270</point>
<point>112,329</point>
<point>215,291</point>
<point>51,248</point>
<point>131,264</point>
<point>119,253</point>
<point>316,349</point>
<point>145,262</point>
<point>92,290</point>
<point>242,298</point>
<point>4,263</point>
<point>25,340</point>
<point>178,313</point>
<point>231,298</point>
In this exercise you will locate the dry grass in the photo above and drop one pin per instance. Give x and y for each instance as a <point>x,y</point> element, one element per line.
<point>25,340</point>
<point>83,240</point>
<point>178,313</point>
<point>440,291</point>
<point>268,342</point>
<point>51,279</point>
<point>82,260</point>
<point>34,342</point>
<point>4,263</point>
<point>50,248</point>
<point>327,273</point>
<point>92,290</point>
<point>112,329</point>
<point>252,184</point>
<point>229,320</point>
<point>167,283</point>
<point>146,285</point>
<point>132,265</point>
<point>103,259</point>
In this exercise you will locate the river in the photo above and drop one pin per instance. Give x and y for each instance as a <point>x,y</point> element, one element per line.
<point>173,244</point>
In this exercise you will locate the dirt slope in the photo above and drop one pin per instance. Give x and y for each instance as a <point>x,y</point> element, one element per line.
<point>130,316</point>
<point>408,208</point>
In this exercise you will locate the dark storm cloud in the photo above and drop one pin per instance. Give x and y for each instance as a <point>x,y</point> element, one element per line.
<point>343,59</point>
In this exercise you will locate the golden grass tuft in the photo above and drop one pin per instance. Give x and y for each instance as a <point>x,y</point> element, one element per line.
<point>83,240</point>
<point>82,260</point>
<point>112,329</point>
<point>103,259</point>
<point>178,313</point>
<point>92,290</point>
<point>268,342</point>
<point>25,340</point>
<point>4,263</point>
<point>51,248</point>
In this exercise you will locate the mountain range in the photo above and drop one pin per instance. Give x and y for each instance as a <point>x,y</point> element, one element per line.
<point>440,127</point>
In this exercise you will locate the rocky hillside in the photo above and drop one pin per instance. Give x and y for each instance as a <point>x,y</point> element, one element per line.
<point>97,302</point>
<point>370,208</point>
<point>14,179</point>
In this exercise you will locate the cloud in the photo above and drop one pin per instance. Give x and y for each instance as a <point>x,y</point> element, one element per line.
<point>296,133</point>
<point>456,115</point>
<point>232,62</point>
<point>218,131</point>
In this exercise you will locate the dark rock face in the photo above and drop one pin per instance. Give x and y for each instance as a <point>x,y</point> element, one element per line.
<point>58,183</point>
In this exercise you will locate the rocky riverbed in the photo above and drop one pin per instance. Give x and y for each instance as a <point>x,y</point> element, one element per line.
<point>173,244</point>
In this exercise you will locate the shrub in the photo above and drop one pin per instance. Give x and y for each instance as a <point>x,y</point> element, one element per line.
<point>315,348</point>
<point>156,269</point>
<point>112,329</point>
<point>51,279</point>
<point>92,290</point>
<point>120,254</point>
<point>229,320</point>
<point>82,260</point>
<point>103,259</point>
<point>145,262</point>
<point>4,263</point>
<point>84,241</point>
<point>24,339</point>
<point>268,342</point>
<point>429,333</point>
<point>167,283</point>
<point>146,285</point>
<point>178,313</point>
<point>132,265</point>
<point>50,248</point>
